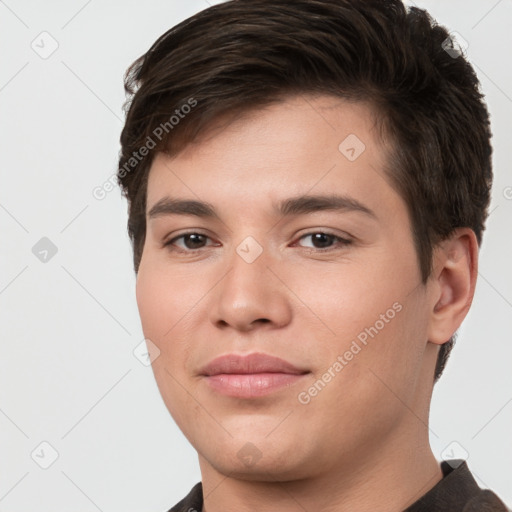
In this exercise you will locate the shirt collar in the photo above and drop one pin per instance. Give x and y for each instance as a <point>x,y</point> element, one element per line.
<point>452,492</point>
<point>449,495</point>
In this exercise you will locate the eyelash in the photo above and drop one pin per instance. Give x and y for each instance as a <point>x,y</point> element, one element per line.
<point>340,240</point>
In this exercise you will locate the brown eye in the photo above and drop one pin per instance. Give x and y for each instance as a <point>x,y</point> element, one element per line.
<point>193,241</point>
<point>324,241</point>
<point>189,242</point>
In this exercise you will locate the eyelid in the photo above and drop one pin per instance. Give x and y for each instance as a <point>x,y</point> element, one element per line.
<point>343,240</point>
<point>170,241</point>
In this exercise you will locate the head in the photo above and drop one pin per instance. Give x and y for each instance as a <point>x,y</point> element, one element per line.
<point>251,103</point>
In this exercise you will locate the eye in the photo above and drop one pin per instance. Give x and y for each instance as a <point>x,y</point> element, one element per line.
<point>191,241</point>
<point>194,241</point>
<point>323,241</point>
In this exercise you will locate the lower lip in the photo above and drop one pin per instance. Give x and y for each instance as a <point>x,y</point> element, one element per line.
<point>251,385</point>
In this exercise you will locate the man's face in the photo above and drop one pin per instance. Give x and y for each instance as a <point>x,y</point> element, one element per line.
<point>350,317</point>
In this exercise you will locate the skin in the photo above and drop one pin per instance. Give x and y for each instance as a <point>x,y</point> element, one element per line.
<point>362,442</point>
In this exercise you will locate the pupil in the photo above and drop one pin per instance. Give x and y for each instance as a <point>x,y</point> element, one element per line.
<point>194,239</point>
<point>322,237</point>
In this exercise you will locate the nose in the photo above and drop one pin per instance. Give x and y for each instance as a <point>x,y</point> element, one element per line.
<point>250,295</point>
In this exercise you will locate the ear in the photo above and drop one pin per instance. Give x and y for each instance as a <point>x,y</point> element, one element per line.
<point>452,284</point>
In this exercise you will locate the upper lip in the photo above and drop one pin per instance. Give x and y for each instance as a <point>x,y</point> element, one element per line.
<point>251,363</point>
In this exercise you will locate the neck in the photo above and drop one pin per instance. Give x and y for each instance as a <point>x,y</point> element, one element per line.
<point>396,476</point>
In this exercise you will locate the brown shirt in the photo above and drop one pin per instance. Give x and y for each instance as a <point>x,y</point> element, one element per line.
<point>456,492</point>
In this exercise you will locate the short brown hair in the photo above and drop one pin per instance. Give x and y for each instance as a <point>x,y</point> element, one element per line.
<point>244,54</point>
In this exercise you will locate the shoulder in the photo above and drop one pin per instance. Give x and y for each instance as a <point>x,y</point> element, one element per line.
<point>192,502</point>
<point>485,501</point>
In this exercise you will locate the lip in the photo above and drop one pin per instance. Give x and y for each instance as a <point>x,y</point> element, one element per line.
<point>256,362</point>
<point>250,376</point>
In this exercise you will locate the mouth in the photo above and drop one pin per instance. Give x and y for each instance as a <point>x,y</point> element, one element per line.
<point>250,376</point>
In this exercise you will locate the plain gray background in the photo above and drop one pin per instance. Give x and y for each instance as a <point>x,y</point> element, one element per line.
<point>69,324</point>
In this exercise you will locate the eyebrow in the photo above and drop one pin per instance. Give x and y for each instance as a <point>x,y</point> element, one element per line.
<point>309,204</point>
<point>293,206</point>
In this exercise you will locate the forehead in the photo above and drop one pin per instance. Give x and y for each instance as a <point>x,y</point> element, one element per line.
<point>288,148</point>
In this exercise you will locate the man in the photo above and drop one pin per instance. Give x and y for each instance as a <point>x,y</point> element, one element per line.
<point>308,184</point>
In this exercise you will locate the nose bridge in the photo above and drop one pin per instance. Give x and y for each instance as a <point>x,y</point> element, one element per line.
<point>248,263</point>
<point>249,291</point>
<point>250,250</point>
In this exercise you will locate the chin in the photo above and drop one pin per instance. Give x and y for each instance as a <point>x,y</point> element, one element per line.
<point>268,470</point>
<point>259,461</point>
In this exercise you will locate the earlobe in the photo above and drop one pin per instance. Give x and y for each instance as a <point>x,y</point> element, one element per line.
<point>452,284</point>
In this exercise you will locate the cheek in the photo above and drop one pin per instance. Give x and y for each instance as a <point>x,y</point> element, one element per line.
<point>163,304</point>
<point>371,366</point>
<point>348,301</point>
<point>157,302</point>
<point>371,314</point>
<point>168,300</point>
<point>164,295</point>
<point>152,304</point>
